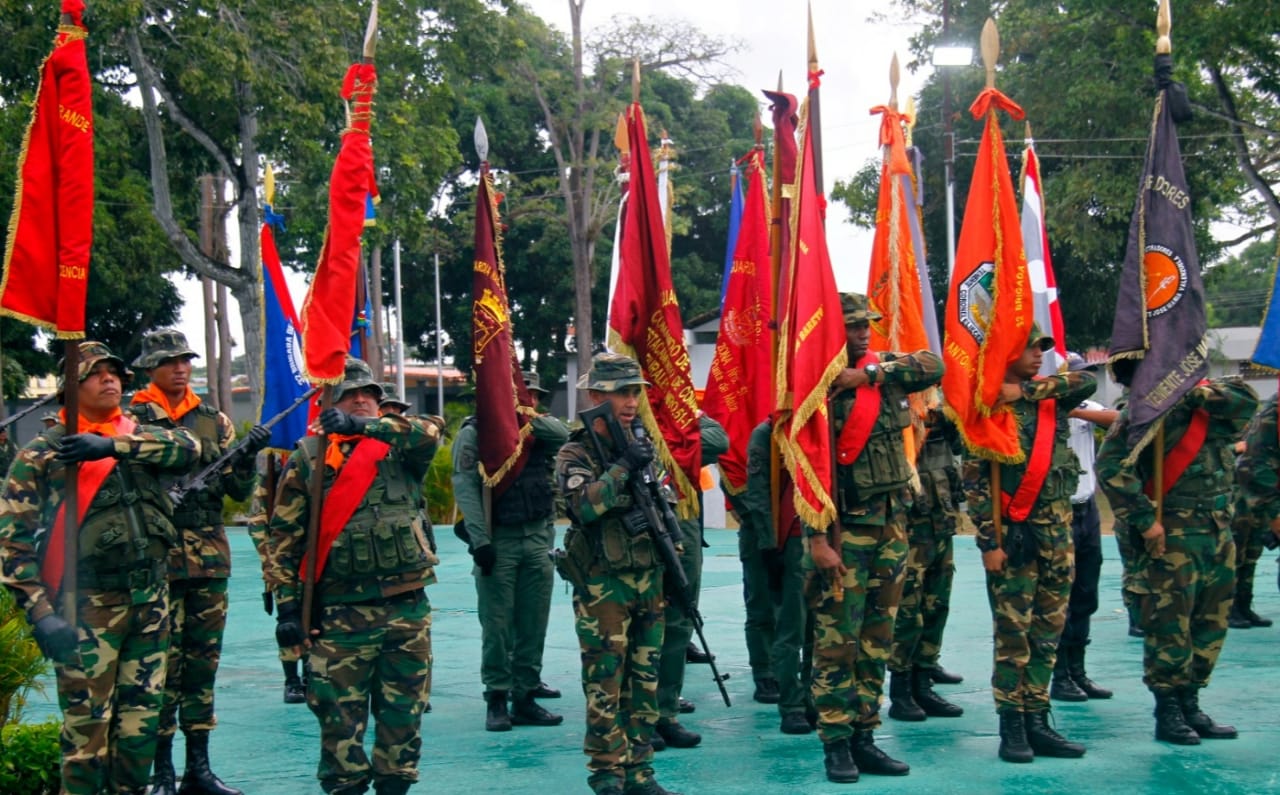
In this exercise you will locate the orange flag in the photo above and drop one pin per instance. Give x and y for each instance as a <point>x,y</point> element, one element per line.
<point>739,392</point>
<point>46,259</point>
<point>812,351</point>
<point>989,305</point>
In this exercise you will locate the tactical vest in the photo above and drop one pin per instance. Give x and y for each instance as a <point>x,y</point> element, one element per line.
<point>936,466</point>
<point>614,543</point>
<point>1064,468</point>
<point>126,535</point>
<point>882,466</point>
<point>1207,482</point>
<point>530,497</point>
<point>202,508</point>
<point>380,539</point>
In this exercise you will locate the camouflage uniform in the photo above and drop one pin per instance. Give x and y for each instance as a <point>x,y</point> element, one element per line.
<point>8,451</point>
<point>617,597</point>
<point>111,695</point>
<point>513,599</point>
<point>1257,505</point>
<point>853,636</point>
<point>1029,596</point>
<point>260,503</point>
<point>1183,596</point>
<point>371,607</point>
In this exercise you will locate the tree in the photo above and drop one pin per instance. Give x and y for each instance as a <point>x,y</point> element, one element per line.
<point>1237,289</point>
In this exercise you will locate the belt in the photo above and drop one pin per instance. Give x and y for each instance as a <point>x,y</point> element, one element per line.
<point>128,580</point>
<point>414,596</point>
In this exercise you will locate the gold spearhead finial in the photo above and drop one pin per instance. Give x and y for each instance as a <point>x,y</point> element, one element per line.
<point>1027,131</point>
<point>635,80</point>
<point>990,50</point>
<point>1164,45</point>
<point>269,186</point>
<point>371,33</point>
<point>813,46</point>
<point>894,76</point>
<point>757,130</point>
<point>779,81</point>
<point>620,135</point>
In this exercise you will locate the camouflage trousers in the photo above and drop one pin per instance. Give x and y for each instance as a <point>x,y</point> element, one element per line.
<point>197,618</point>
<point>370,658</point>
<point>853,634</point>
<point>1183,601</point>
<point>678,625</point>
<point>258,535</point>
<point>111,699</point>
<point>514,603</point>
<point>1249,533</point>
<point>792,652</point>
<point>1028,611</point>
<point>926,601</point>
<point>618,618</point>
<point>758,627</point>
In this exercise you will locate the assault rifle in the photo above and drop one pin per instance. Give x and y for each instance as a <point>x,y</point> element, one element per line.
<point>660,521</point>
<point>44,401</point>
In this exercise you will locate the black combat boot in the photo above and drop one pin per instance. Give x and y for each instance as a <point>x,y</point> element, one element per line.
<point>941,676</point>
<point>694,654</point>
<point>544,690</point>
<point>1189,700</point>
<point>1064,687</point>
<point>295,691</point>
<point>870,759</point>
<point>162,775</point>
<point>496,718</point>
<point>934,705</point>
<point>902,700</point>
<point>1243,606</point>
<point>527,712</point>
<point>1044,741</point>
<point>650,787</point>
<point>1171,725</point>
<point>767,691</point>
<point>1237,619</point>
<point>197,778</point>
<point>392,786</point>
<point>1075,667</point>
<point>1013,737</point>
<point>838,760</point>
<point>675,735</point>
<point>794,722</point>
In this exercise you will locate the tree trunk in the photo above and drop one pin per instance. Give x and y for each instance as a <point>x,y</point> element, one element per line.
<point>212,390</point>
<point>376,338</point>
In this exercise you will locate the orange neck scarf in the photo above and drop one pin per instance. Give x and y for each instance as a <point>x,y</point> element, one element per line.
<point>152,394</point>
<point>105,428</point>
<point>334,458</point>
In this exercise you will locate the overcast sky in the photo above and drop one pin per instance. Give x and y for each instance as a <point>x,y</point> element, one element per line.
<point>854,53</point>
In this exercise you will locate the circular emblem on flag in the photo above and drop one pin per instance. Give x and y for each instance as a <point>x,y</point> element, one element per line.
<point>974,299</point>
<point>1166,279</point>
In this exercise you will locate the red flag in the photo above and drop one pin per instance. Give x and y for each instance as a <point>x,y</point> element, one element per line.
<point>812,351</point>
<point>644,323</point>
<point>989,306</point>
<point>46,260</point>
<point>740,386</point>
<point>503,404</point>
<point>331,301</point>
<point>1035,240</point>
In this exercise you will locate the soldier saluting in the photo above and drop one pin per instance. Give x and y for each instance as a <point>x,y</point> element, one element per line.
<point>110,666</point>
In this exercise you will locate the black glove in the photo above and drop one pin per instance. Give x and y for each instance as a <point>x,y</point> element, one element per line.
<point>486,557</point>
<point>337,421</point>
<point>638,454</point>
<point>258,437</point>
<point>56,638</point>
<point>289,625</point>
<point>268,603</point>
<point>85,447</point>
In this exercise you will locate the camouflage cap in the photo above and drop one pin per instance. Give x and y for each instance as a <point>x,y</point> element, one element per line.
<point>533,383</point>
<point>392,398</point>
<point>1039,338</point>
<point>1076,363</point>
<point>165,343</point>
<point>91,353</point>
<point>356,375</point>
<point>611,372</point>
<point>50,417</point>
<point>856,308</point>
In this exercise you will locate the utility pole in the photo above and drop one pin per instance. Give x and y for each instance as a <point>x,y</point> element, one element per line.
<point>207,292</point>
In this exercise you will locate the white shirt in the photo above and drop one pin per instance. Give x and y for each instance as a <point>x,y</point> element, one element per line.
<point>1083,445</point>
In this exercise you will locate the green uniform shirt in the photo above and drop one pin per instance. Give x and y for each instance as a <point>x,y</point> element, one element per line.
<point>1258,467</point>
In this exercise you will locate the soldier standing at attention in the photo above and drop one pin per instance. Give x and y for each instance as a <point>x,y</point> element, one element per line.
<point>8,450</point>
<point>861,582</point>
<point>510,544</point>
<point>370,637</point>
<point>1029,571</point>
<point>1185,569</point>
<point>110,667</point>
<point>934,518</point>
<point>199,569</point>
<point>617,586</point>
<point>391,402</point>
<point>1257,504</point>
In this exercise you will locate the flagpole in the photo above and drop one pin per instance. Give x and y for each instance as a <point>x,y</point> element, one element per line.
<point>439,344</point>
<point>815,114</point>
<point>399,350</point>
<point>71,491</point>
<point>990,54</point>
<point>1164,46</point>
<point>775,263</point>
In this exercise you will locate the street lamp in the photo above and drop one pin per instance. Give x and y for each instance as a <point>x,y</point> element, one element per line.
<point>944,58</point>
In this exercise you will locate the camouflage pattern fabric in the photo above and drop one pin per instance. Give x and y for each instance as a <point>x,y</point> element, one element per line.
<point>1257,496</point>
<point>371,658</point>
<point>198,616</point>
<point>8,450</point>
<point>257,523</point>
<point>1183,597</point>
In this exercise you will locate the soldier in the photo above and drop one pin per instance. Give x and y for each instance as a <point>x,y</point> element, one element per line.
<point>791,655</point>
<point>50,419</point>
<point>199,569</point>
<point>1185,566</point>
<point>270,468</point>
<point>510,544</point>
<point>371,627</point>
<point>616,577</point>
<point>853,630</point>
<point>110,667</point>
<point>678,632</point>
<point>1257,506</point>
<point>8,450</point>
<point>1029,571</point>
<point>391,402</point>
<point>1071,681</point>
<point>934,517</point>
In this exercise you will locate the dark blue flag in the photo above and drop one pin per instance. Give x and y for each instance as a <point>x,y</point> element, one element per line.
<point>1267,353</point>
<point>736,203</point>
<point>284,379</point>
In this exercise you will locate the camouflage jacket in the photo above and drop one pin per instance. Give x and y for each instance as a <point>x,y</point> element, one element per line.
<point>8,451</point>
<point>414,439</point>
<point>549,434</point>
<point>1055,495</point>
<point>1200,500</point>
<point>936,507</point>
<point>262,501</point>
<point>205,551</point>
<point>1258,467</point>
<point>34,491</point>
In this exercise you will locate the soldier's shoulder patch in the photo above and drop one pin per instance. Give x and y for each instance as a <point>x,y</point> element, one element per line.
<point>575,482</point>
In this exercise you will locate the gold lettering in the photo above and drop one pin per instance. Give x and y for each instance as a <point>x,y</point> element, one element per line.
<point>810,325</point>
<point>76,272</point>
<point>73,118</point>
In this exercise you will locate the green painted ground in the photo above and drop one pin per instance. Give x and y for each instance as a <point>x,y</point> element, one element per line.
<point>269,748</point>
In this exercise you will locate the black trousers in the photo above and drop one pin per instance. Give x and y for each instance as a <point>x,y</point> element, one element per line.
<point>1086,533</point>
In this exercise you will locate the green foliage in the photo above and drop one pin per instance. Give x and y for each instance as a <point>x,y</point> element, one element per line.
<point>438,483</point>
<point>21,663</point>
<point>30,758</point>
<point>1237,290</point>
